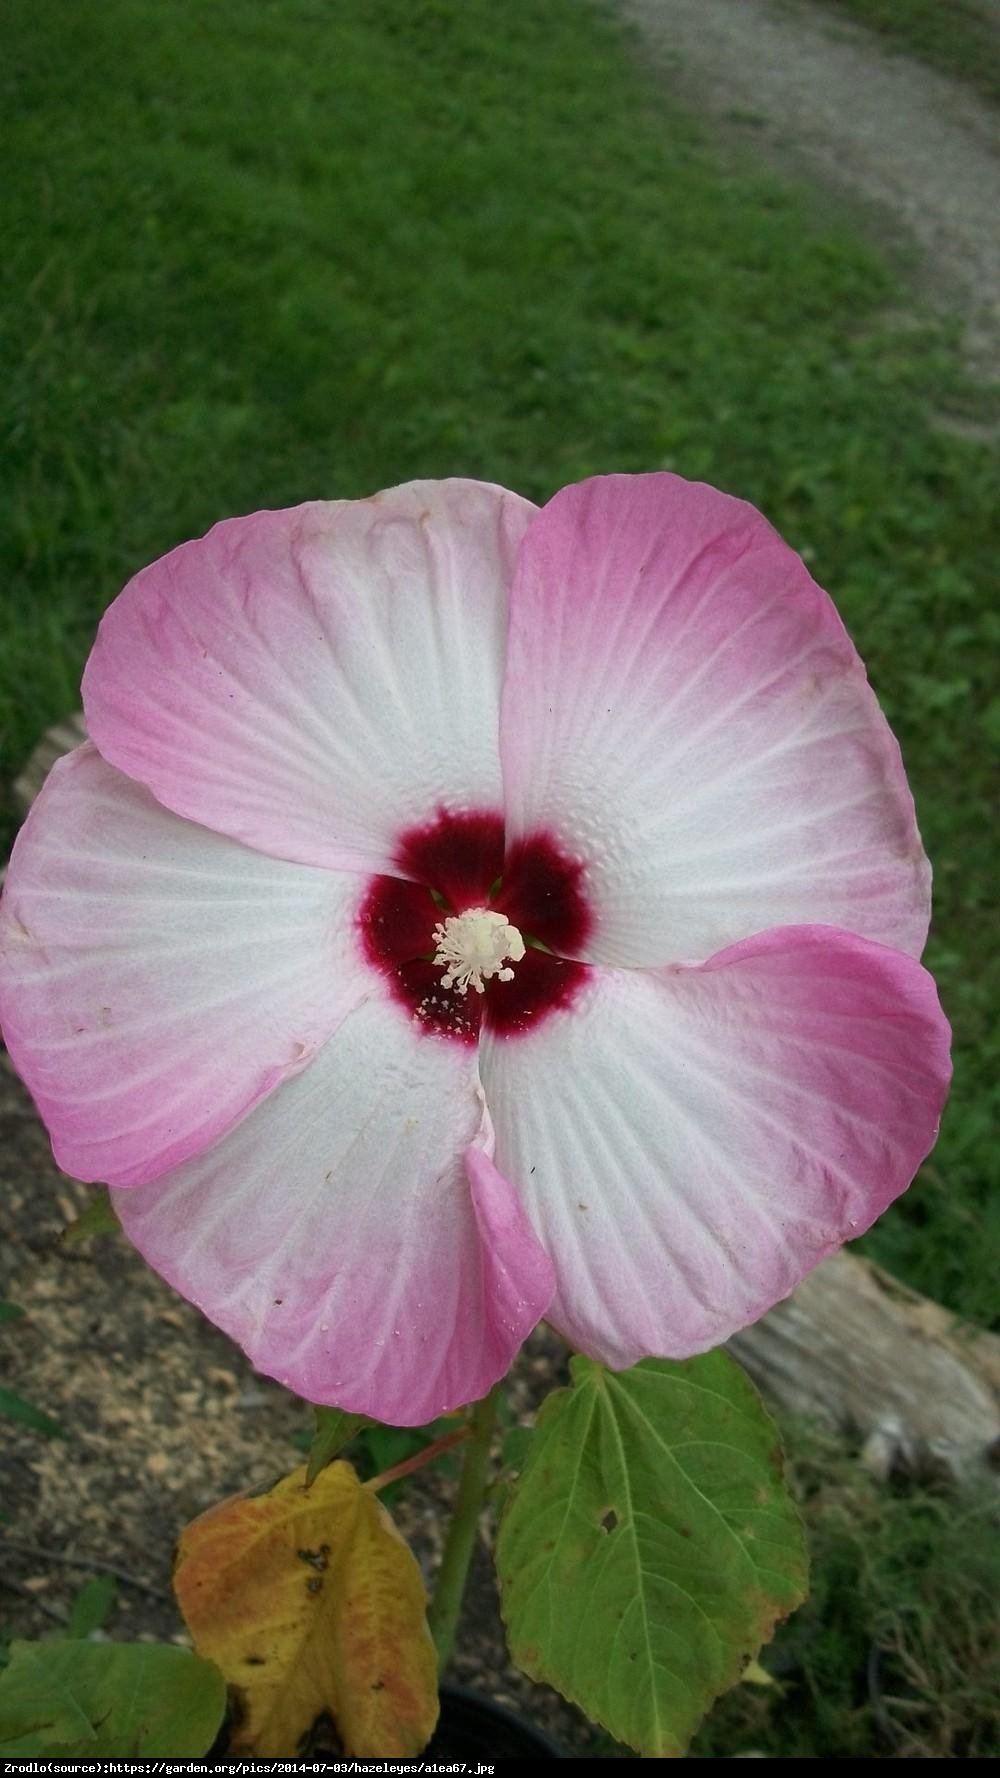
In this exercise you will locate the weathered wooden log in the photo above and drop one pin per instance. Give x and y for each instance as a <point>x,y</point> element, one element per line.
<point>852,1348</point>
<point>53,744</point>
<point>863,1354</point>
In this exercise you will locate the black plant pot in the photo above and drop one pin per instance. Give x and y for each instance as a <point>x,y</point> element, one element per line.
<point>472,1727</point>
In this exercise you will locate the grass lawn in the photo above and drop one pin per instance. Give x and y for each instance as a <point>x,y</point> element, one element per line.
<point>258,253</point>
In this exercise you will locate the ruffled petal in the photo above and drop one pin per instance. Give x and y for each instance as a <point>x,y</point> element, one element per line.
<point>685,714</point>
<point>315,681</point>
<point>690,1142</point>
<point>158,980</point>
<point>338,1236</point>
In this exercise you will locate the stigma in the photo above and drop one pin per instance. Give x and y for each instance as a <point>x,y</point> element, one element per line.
<point>474,947</point>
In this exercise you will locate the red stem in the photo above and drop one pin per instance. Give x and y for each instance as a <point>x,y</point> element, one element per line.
<point>419,1458</point>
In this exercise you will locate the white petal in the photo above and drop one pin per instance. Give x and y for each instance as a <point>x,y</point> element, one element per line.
<point>690,1142</point>
<point>685,715</point>
<point>337,1236</point>
<point>316,681</point>
<point>156,979</point>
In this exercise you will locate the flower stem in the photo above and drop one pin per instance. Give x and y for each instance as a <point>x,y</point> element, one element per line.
<point>444,1608</point>
<point>422,1457</point>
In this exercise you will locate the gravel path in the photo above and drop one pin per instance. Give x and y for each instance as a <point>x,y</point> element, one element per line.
<point>824,98</point>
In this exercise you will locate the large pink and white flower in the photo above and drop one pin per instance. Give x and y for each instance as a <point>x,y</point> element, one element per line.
<point>465,914</point>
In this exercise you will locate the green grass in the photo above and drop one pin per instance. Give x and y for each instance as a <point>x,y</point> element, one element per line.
<point>893,1656</point>
<point>958,37</point>
<point>259,252</point>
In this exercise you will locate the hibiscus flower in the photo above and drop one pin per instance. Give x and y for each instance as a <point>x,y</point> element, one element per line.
<point>465,914</point>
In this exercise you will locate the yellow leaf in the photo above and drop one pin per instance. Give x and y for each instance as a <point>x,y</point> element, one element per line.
<point>754,1674</point>
<point>309,1601</point>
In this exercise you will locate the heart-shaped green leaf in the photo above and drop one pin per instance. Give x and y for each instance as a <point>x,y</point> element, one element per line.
<point>90,1700</point>
<point>650,1545</point>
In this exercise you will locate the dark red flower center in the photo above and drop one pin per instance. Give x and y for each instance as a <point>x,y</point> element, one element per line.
<point>459,862</point>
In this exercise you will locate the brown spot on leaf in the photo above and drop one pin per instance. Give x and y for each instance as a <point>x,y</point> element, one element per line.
<point>315,1558</point>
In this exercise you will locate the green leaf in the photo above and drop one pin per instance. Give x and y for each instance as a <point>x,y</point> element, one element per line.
<point>98,1219</point>
<point>514,1455</point>
<point>333,1431</point>
<point>90,1700</point>
<point>516,1446</point>
<point>16,1408</point>
<point>92,1606</point>
<point>649,1546</point>
<point>10,1312</point>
